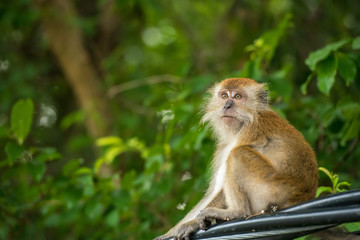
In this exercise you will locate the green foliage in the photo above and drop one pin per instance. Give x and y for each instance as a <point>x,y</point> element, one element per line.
<point>116,146</point>
<point>352,227</point>
<point>95,207</point>
<point>336,185</point>
<point>321,54</point>
<point>263,49</point>
<point>326,62</point>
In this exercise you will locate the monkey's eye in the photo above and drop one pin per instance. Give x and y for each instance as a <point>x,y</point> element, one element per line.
<point>237,96</point>
<point>224,95</point>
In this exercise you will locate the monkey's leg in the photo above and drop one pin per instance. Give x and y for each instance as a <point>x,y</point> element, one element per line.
<point>265,187</point>
<point>237,205</point>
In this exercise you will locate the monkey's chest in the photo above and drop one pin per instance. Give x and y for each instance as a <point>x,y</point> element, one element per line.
<point>220,174</point>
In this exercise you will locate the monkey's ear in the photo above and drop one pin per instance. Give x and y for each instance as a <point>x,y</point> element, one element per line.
<point>263,96</point>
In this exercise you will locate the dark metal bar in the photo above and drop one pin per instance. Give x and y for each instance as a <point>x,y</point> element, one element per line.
<point>347,198</point>
<point>277,234</point>
<point>284,222</point>
<point>291,222</point>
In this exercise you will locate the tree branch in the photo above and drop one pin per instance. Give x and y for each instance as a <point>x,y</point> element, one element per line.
<point>109,25</point>
<point>114,90</point>
<point>66,42</point>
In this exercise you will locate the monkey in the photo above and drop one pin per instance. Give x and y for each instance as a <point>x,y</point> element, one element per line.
<point>261,161</point>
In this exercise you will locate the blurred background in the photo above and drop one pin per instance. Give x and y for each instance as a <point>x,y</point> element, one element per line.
<point>100,104</point>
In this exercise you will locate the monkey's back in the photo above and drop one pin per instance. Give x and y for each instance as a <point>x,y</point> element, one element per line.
<point>290,154</point>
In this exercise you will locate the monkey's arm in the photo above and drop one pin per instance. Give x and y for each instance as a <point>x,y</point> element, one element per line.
<point>189,223</point>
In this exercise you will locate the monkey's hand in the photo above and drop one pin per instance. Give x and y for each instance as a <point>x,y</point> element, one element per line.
<point>208,215</point>
<point>182,231</point>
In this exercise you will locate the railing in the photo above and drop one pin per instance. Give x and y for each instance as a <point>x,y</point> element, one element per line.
<point>291,222</point>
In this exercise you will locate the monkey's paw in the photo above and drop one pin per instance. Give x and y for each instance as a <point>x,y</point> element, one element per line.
<point>162,237</point>
<point>209,216</point>
<point>183,231</point>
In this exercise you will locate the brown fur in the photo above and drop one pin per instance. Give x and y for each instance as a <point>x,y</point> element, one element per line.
<point>261,161</point>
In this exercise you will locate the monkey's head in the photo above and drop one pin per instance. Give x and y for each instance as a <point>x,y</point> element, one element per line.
<point>233,104</point>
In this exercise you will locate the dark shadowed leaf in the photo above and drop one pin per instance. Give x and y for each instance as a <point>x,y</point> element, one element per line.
<point>356,43</point>
<point>14,152</point>
<point>37,169</point>
<point>326,71</point>
<point>322,53</point>
<point>351,131</point>
<point>303,87</point>
<point>112,218</point>
<point>347,68</point>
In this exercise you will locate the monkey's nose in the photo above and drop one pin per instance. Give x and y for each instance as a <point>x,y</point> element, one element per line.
<point>228,104</point>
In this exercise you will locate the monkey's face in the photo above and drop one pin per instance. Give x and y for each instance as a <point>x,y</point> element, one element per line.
<point>228,110</point>
<point>233,103</point>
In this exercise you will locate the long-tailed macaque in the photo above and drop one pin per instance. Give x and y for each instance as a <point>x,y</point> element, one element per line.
<point>261,161</point>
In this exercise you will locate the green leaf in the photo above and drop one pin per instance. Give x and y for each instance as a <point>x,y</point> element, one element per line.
<point>48,154</point>
<point>112,219</point>
<point>4,132</point>
<point>121,198</point>
<point>85,181</point>
<point>71,166</point>
<point>111,140</point>
<point>128,180</point>
<point>347,68</point>
<point>329,116</point>
<point>343,184</point>
<point>94,209</point>
<point>301,238</point>
<point>326,71</point>
<point>264,47</point>
<point>327,172</point>
<point>356,43</point>
<point>83,171</point>
<point>14,152</point>
<point>117,148</point>
<point>98,163</point>
<point>352,227</point>
<point>351,132</point>
<point>349,110</point>
<point>270,39</point>
<point>21,119</point>
<point>72,118</point>
<point>322,189</point>
<point>37,170</point>
<point>334,180</point>
<point>322,53</point>
<point>306,83</point>
<point>53,220</point>
<point>113,152</point>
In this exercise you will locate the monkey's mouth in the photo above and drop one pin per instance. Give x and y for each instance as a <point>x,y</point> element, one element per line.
<point>228,119</point>
<point>227,116</point>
